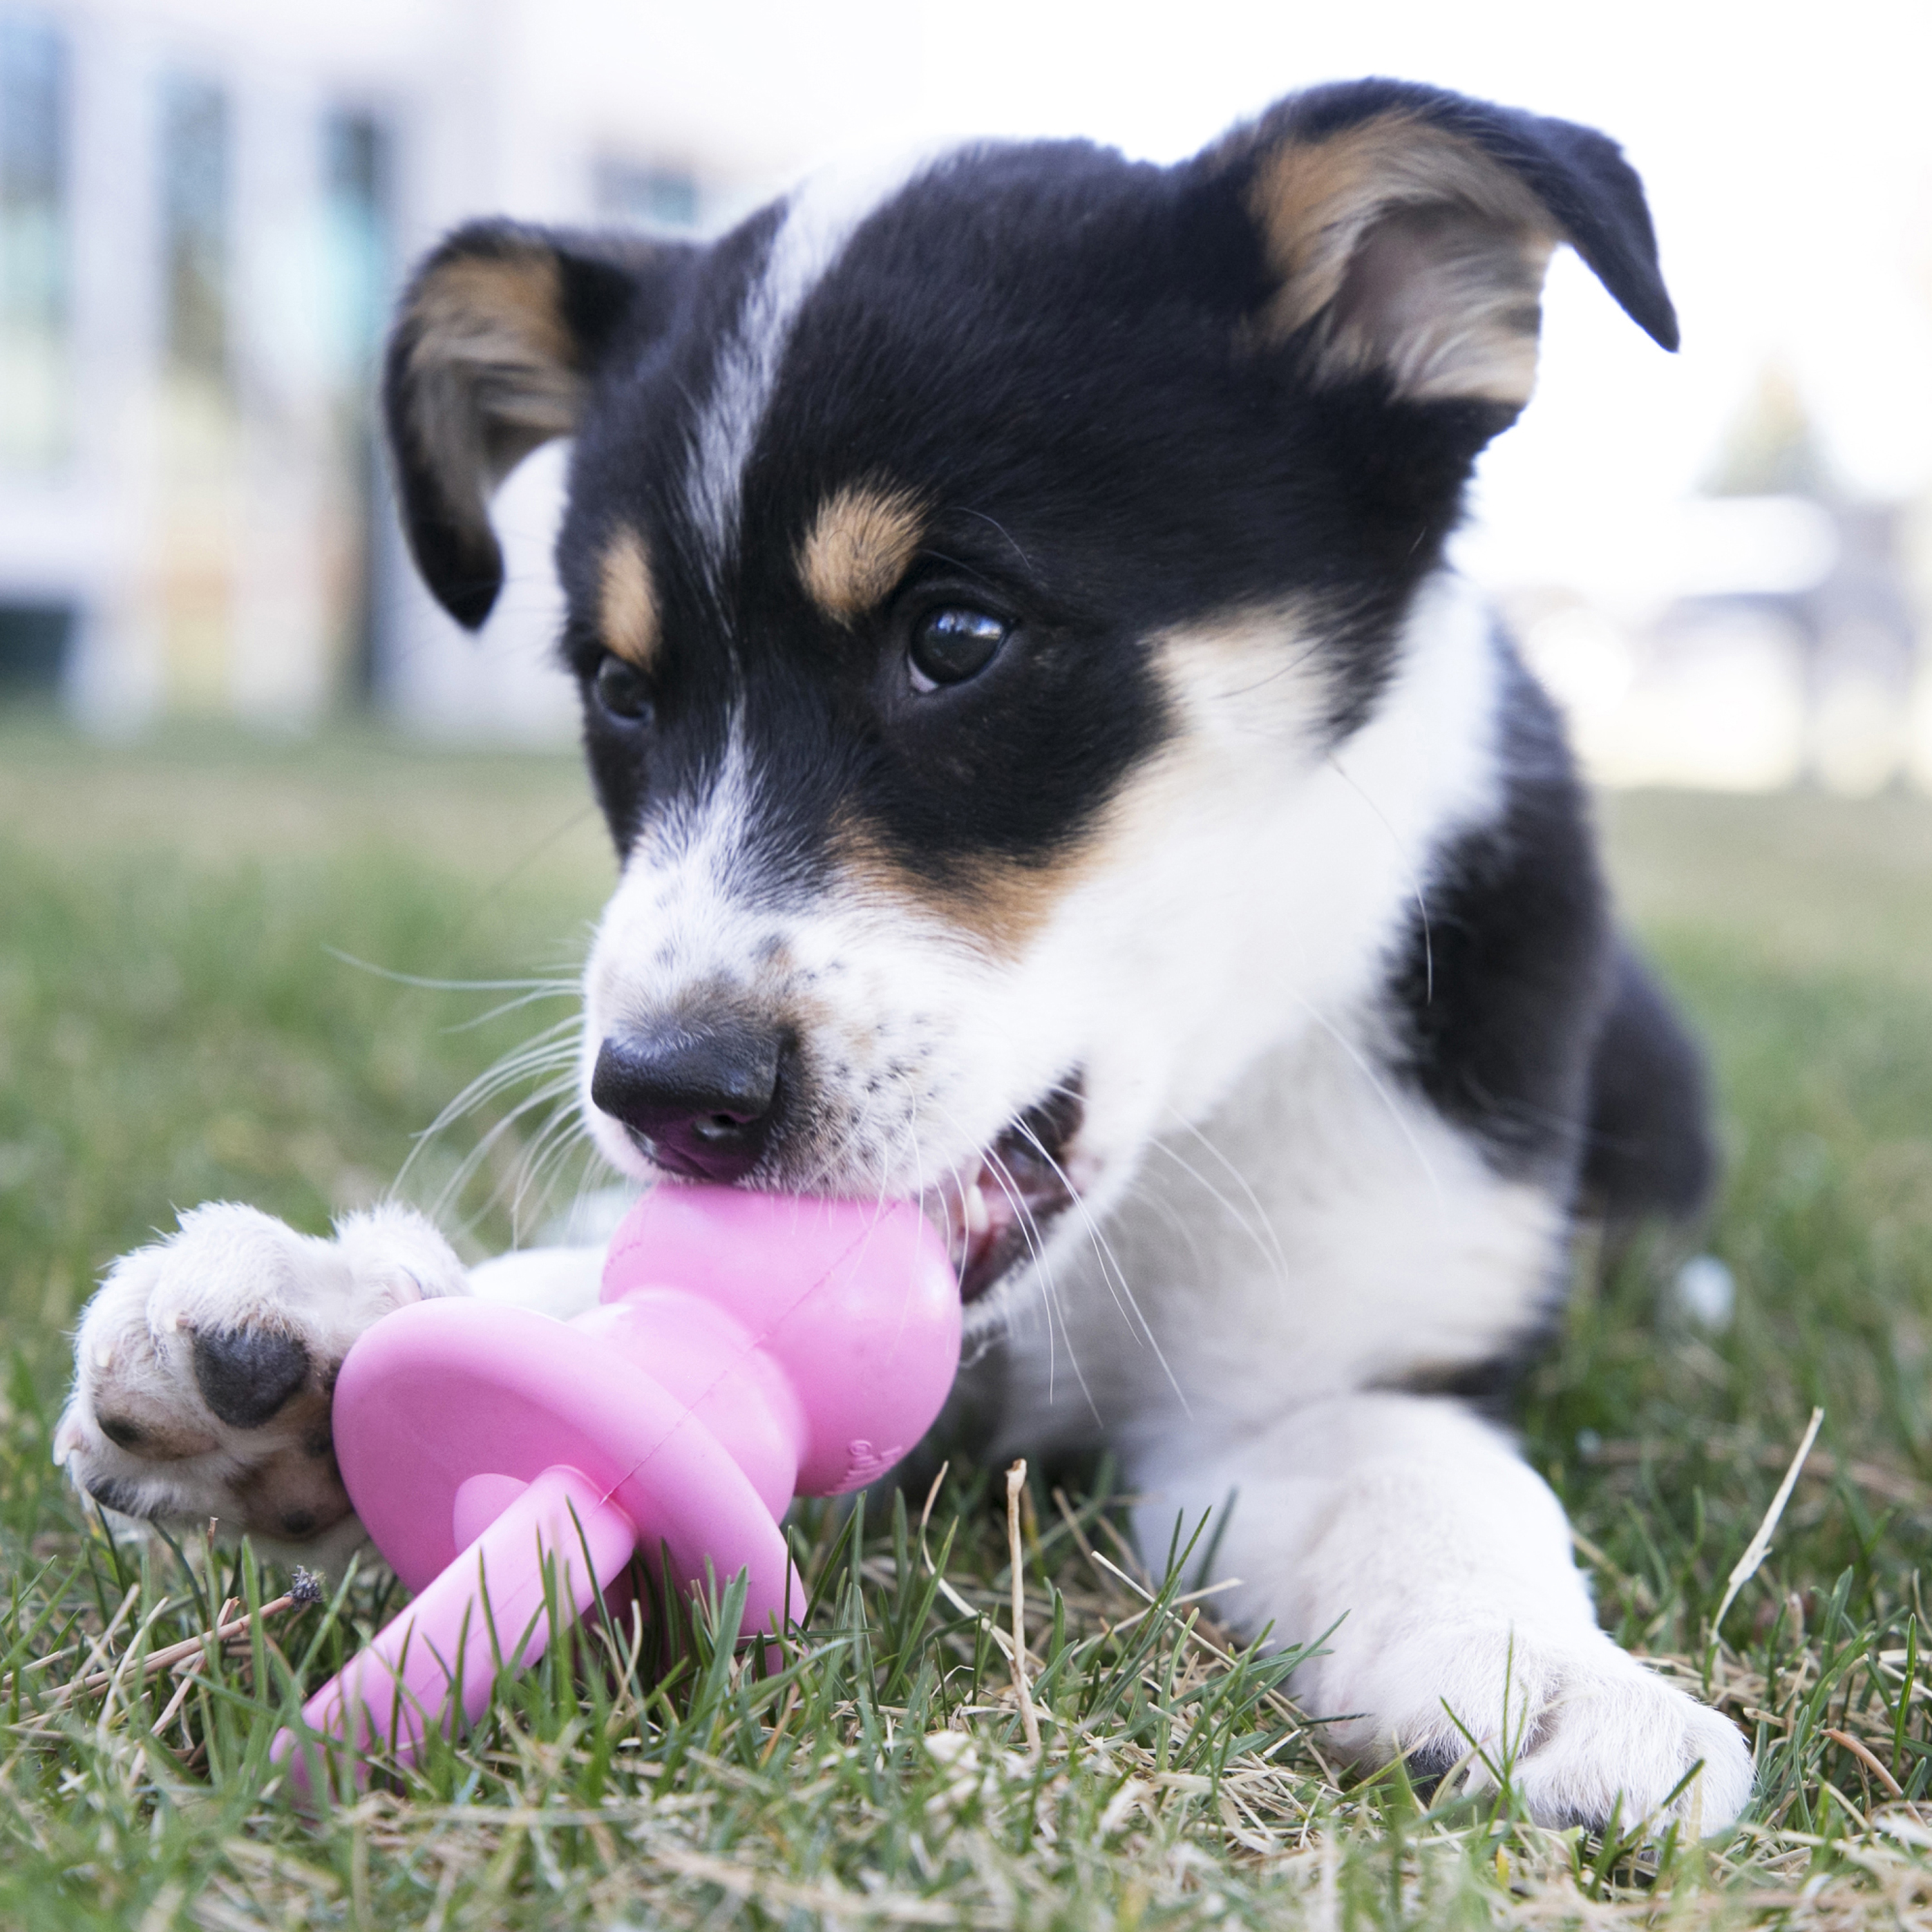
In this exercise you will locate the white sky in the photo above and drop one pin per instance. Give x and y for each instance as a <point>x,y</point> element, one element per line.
<point>1787,151</point>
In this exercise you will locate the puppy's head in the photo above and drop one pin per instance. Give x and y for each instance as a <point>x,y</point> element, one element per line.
<point>964,563</point>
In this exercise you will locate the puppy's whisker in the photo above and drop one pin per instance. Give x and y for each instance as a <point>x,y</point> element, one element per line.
<point>538,1166</point>
<point>1034,1236</point>
<point>1038,1252</point>
<point>918,1170</point>
<point>1379,1086</point>
<point>1024,1220</point>
<point>556,1044</point>
<point>1031,1233</point>
<point>1414,878</point>
<point>592,1167</point>
<point>517,1005</point>
<point>549,1151</point>
<point>487,1147</point>
<point>513,1072</point>
<point>1270,1259</point>
<point>1110,1270</point>
<point>537,985</point>
<point>508,1071</point>
<point>1272,1251</point>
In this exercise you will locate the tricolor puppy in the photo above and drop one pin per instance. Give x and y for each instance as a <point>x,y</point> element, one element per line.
<point>1057,778</point>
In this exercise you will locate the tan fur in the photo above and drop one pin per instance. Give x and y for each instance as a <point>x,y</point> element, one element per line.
<point>999,903</point>
<point>1460,321</point>
<point>1246,688</point>
<point>627,601</point>
<point>858,549</point>
<point>299,1483</point>
<point>1250,677</point>
<point>493,362</point>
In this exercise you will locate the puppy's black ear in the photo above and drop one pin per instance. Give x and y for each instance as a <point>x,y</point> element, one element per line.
<point>495,344</point>
<point>1405,231</point>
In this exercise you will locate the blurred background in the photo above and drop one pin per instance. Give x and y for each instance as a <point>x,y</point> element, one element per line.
<point>1722,562</point>
<point>294,876</point>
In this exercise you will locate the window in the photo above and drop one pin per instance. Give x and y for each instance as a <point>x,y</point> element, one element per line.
<point>194,227</point>
<point>646,195</point>
<point>34,643</point>
<point>358,273</point>
<point>35,385</point>
<point>356,169</point>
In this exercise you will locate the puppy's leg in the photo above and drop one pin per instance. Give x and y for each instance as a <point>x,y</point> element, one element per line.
<point>204,1367</point>
<point>1442,1562</point>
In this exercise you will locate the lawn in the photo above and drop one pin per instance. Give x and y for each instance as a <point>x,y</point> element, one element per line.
<point>212,955</point>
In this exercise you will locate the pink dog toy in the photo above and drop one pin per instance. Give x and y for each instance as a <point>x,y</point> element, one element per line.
<point>806,1345</point>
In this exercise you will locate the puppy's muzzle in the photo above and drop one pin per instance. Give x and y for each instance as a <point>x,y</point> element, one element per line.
<point>699,1096</point>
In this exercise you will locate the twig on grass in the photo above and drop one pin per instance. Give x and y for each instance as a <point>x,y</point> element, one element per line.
<point>1759,1547</point>
<point>1888,1485</point>
<point>1865,1755</point>
<point>1079,1535</point>
<point>1029,1717</point>
<point>225,1626</point>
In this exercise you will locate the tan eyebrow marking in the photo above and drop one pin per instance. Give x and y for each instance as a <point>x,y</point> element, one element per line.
<point>858,548</point>
<point>627,599</point>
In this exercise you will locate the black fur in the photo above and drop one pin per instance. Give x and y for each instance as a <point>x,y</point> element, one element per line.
<point>1053,350</point>
<point>1649,1150</point>
<point>1504,978</point>
<point>1530,1021</point>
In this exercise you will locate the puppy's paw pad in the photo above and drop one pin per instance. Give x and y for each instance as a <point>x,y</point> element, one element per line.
<point>246,1375</point>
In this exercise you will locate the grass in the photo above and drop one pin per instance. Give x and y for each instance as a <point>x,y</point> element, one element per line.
<point>178,1021</point>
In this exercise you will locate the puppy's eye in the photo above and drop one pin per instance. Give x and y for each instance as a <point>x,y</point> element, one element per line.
<point>621,691</point>
<point>950,646</point>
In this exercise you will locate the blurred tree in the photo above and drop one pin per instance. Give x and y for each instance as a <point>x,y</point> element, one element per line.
<point>1772,447</point>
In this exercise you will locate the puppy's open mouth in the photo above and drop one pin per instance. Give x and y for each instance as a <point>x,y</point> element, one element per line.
<point>994,1214</point>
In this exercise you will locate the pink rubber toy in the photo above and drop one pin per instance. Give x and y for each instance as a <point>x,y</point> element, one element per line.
<point>746,1348</point>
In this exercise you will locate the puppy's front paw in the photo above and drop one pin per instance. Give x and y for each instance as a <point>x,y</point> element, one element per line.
<point>1584,1733</point>
<point>204,1367</point>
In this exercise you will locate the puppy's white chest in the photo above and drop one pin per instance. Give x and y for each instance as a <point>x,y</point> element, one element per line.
<point>1324,1231</point>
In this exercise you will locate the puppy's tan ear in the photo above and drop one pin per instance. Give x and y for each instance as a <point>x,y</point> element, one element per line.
<point>496,341</point>
<point>1403,233</point>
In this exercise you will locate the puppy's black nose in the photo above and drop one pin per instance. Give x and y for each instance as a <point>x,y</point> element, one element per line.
<point>699,1096</point>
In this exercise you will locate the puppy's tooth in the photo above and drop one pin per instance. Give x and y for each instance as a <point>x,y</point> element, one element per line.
<point>103,1356</point>
<point>979,1215</point>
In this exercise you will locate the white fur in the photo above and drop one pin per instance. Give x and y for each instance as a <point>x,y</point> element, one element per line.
<point>819,219</point>
<point>1270,1225</point>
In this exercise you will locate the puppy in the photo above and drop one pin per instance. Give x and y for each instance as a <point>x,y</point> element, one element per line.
<point>1056,777</point>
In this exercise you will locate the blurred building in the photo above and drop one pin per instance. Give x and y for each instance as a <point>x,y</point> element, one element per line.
<point>205,208</point>
<point>1767,632</point>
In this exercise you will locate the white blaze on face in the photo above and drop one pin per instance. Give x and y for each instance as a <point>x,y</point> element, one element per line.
<point>820,218</point>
